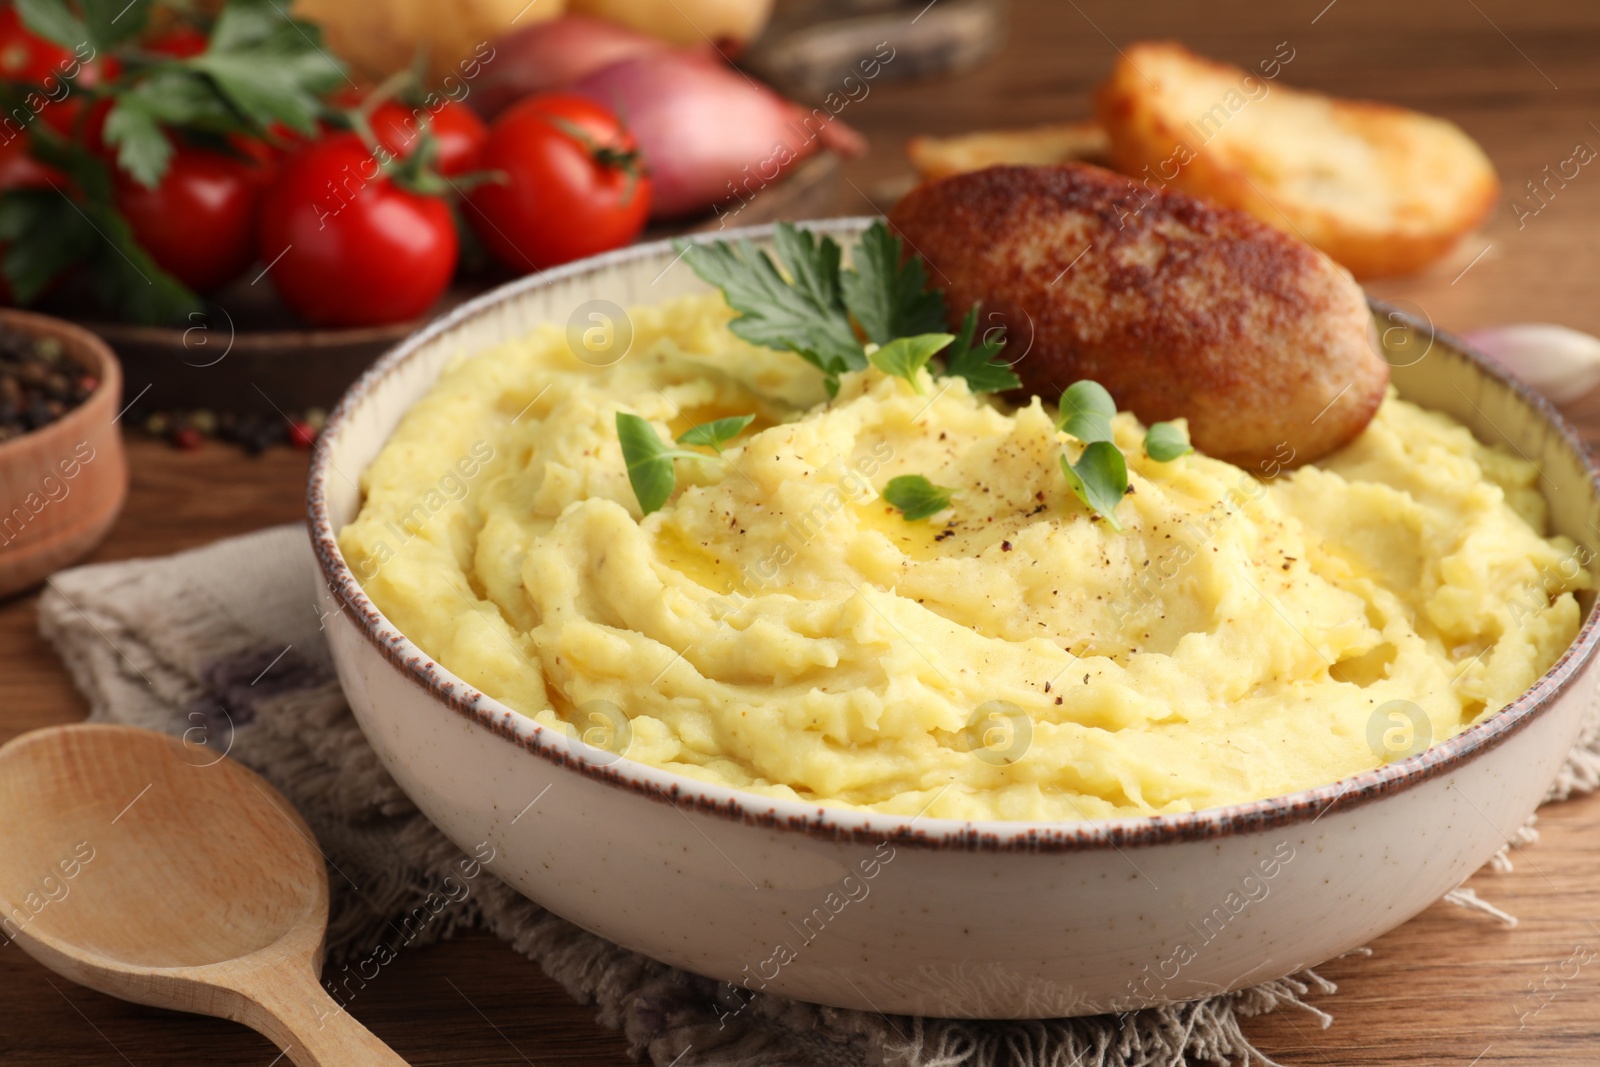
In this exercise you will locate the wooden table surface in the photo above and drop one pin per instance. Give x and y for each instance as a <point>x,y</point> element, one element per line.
<point>1447,988</point>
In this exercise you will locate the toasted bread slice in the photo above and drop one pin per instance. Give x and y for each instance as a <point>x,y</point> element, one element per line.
<point>1381,189</point>
<point>1179,307</point>
<point>940,157</point>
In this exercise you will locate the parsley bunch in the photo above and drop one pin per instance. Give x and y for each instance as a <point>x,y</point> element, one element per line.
<point>262,71</point>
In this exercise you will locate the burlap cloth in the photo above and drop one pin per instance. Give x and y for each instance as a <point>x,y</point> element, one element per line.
<point>223,644</point>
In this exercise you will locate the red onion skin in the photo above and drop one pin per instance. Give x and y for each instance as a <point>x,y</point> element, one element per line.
<point>708,133</point>
<point>546,56</point>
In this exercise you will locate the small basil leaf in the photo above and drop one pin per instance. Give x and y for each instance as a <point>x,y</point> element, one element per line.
<point>915,497</point>
<point>715,433</point>
<point>905,356</point>
<point>649,461</point>
<point>1085,411</point>
<point>1166,441</point>
<point>1099,478</point>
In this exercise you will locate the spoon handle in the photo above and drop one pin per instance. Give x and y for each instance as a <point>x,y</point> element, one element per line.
<point>297,1014</point>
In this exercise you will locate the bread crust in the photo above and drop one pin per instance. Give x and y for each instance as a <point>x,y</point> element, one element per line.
<point>940,157</point>
<point>1433,181</point>
<point>1181,308</point>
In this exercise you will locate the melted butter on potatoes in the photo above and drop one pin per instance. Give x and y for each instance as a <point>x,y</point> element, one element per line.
<point>777,627</point>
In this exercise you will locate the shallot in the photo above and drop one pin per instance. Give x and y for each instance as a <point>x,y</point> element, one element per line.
<point>709,133</point>
<point>552,55</point>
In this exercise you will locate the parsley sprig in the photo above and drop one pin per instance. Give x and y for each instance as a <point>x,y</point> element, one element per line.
<point>262,68</point>
<point>649,458</point>
<point>806,302</point>
<point>915,497</point>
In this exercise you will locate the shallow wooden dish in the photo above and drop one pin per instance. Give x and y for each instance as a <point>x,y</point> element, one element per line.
<point>63,485</point>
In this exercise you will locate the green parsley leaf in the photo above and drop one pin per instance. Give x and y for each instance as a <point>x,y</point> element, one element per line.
<point>121,274</point>
<point>1085,411</point>
<point>1166,441</point>
<point>1099,478</point>
<point>716,433</point>
<point>43,235</point>
<point>904,356</point>
<point>649,461</point>
<point>169,96</point>
<point>888,293</point>
<point>803,312</point>
<point>268,87</point>
<point>976,362</point>
<point>54,21</point>
<point>143,149</point>
<point>915,497</point>
<point>114,21</point>
<point>247,24</point>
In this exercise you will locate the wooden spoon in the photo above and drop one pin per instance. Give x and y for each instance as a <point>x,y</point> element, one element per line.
<point>153,870</point>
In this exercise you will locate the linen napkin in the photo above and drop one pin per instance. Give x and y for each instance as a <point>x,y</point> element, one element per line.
<point>223,646</point>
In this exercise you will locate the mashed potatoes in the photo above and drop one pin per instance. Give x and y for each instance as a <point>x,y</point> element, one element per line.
<point>776,627</point>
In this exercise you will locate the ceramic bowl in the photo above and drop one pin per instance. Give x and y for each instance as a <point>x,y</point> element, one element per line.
<point>62,485</point>
<point>935,916</point>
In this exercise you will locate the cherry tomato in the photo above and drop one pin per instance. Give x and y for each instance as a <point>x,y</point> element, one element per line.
<point>199,224</point>
<point>573,184</point>
<point>457,130</point>
<point>349,247</point>
<point>30,59</point>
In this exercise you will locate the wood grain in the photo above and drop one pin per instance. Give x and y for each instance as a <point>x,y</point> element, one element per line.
<point>208,892</point>
<point>62,485</point>
<point>1446,988</point>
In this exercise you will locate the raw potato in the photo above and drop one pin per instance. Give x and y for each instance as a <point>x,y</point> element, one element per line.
<point>1381,189</point>
<point>379,37</point>
<point>690,23</point>
<point>1179,307</point>
<point>1063,142</point>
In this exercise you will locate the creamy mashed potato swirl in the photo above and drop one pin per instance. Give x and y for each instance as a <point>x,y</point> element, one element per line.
<point>776,627</point>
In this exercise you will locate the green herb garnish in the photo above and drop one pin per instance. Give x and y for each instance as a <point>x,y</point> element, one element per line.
<point>649,461</point>
<point>905,356</point>
<point>803,313</point>
<point>1166,441</point>
<point>804,302</point>
<point>649,458</point>
<point>1085,411</point>
<point>1099,478</point>
<point>261,67</point>
<point>977,362</point>
<point>716,433</point>
<point>915,497</point>
<point>887,292</point>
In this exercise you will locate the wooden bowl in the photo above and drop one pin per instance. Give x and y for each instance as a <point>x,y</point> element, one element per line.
<point>63,485</point>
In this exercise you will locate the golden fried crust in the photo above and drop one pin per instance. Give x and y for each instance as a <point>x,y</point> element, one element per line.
<point>1180,308</point>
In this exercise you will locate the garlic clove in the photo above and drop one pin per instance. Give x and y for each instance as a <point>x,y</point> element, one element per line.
<point>1561,363</point>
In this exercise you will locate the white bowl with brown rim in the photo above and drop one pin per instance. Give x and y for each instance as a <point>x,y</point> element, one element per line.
<point>936,916</point>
